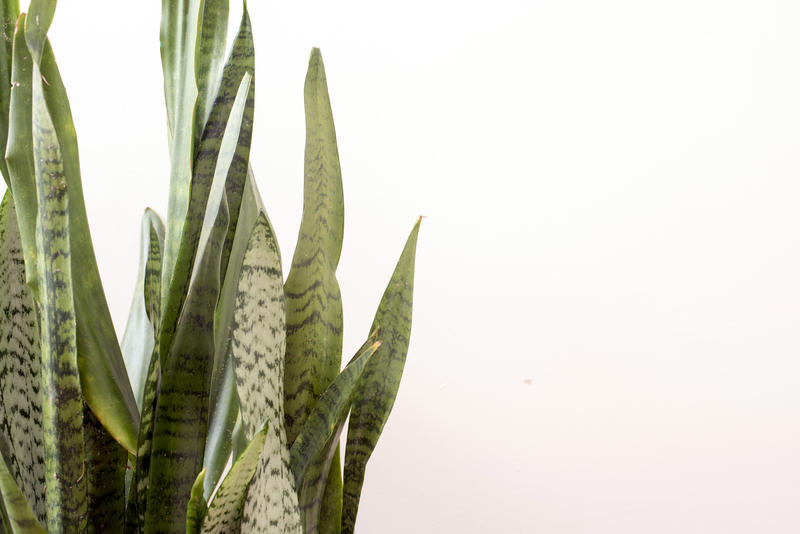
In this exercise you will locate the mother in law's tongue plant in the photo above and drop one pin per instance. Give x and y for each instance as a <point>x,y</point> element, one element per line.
<point>222,408</point>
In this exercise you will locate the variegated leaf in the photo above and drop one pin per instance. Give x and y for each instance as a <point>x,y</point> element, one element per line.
<point>328,413</point>
<point>9,11</point>
<point>139,339</point>
<point>62,404</point>
<point>21,438</point>
<point>258,343</point>
<point>225,511</point>
<point>18,512</point>
<point>377,390</point>
<point>196,509</point>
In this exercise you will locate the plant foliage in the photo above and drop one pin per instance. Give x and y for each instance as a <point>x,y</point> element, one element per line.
<point>222,408</point>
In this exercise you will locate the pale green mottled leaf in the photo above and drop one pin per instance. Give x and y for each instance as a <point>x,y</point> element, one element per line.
<point>377,390</point>
<point>21,438</point>
<point>225,510</point>
<point>20,516</point>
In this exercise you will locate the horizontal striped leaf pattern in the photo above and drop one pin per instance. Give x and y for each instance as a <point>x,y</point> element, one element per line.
<point>377,390</point>
<point>328,413</point>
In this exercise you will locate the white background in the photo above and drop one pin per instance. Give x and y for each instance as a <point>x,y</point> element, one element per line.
<point>607,305</point>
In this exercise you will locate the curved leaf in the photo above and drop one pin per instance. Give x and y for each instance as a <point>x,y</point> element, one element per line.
<point>197,509</point>
<point>21,434</point>
<point>225,510</point>
<point>328,413</point>
<point>20,516</point>
<point>377,390</point>
<point>138,341</point>
<point>9,11</point>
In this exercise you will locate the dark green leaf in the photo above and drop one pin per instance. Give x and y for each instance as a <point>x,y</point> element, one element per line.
<point>196,509</point>
<point>106,461</point>
<point>377,390</point>
<point>328,413</point>
<point>9,11</point>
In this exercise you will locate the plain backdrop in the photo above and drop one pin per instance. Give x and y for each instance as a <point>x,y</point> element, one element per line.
<point>607,305</point>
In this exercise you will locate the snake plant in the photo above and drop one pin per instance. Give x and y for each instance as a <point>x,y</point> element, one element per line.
<point>222,408</point>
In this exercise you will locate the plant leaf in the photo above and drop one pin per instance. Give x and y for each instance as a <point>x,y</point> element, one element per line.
<point>319,496</point>
<point>224,401</point>
<point>138,341</point>
<point>222,133</point>
<point>181,416</point>
<point>21,518</point>
<point>106,461</point>
<point>197,509</point>
<point>329,412</point>
<point>9,11</point>
<point>62,413</point>
<point>313,300</point>
<point>209,58</point>
<point>225,510</point>
<point>104,378</point>
<point>377,390</point>
<point>20,367</point>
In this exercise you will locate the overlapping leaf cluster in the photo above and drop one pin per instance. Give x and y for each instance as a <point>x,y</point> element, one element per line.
<point>222,408</point>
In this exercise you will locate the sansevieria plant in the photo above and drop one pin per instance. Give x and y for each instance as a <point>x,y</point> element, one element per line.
<point>222,408</point>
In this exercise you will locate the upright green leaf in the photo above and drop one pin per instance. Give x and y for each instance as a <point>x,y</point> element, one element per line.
<point>181,416</point>
<point>105,381</point>
<point>40,16</point>
<point>313,300</point>
<point>62,413</point>
<point>224,401</point>
<point>258,343</point>
<point>328,413</point>
<point>179,22</point>
<point>320,494</point>
<point>209,58</point>
<point>9,11</point>
<point>222,132</point>
<point>21,518</point>
<point>106,461</point>
<point>212,157</point>
<point>144,316</point>
<point>21,438</point>
<point>225,510</point>
<point>377,390</point>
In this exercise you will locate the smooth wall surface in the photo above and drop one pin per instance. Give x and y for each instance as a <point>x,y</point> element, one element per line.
<point>607,304</point>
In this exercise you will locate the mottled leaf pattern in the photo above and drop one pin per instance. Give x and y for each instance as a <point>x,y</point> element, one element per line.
<point>62,405</point>
<point>105,476</point>
<point>209,58</point>
<point>20,516</point>
<point>377,390</point>
<point>328,413</point>
<point>21,439</point>
<point>313,301</point>
<point>225,510</point>
<point>258,344</point>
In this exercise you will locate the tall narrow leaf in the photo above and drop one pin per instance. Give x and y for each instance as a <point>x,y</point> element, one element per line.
<point>9,11</point>
<point>21,438</point>
<point>376,393</point>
